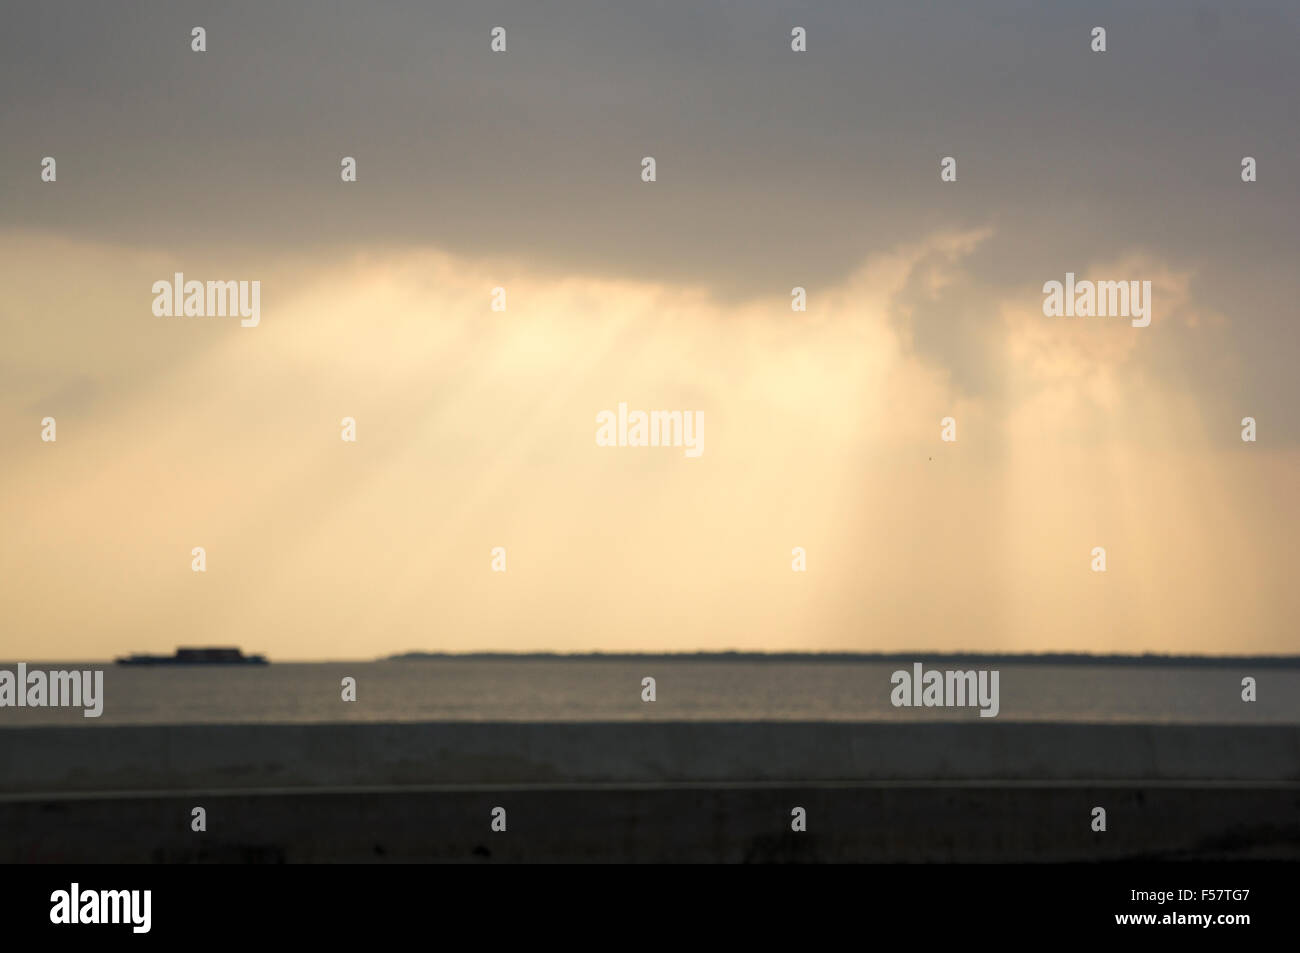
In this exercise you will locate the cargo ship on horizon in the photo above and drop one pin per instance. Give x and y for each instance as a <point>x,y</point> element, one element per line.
<point>196,656</point>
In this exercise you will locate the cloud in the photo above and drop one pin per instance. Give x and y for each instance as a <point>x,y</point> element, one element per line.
<point>476,429</point>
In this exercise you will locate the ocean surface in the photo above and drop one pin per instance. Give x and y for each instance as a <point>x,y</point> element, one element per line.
<point>447,689</point>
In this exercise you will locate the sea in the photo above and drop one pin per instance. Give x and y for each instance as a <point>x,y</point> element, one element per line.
<point>686,689</point>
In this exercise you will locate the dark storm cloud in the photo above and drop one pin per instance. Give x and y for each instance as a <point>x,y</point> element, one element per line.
<point>774,168</point>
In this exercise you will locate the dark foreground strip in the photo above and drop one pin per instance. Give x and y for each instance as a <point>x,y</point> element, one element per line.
<point>733,823</point>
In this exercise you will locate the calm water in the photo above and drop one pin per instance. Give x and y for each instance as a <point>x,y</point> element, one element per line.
<point>599,690</point>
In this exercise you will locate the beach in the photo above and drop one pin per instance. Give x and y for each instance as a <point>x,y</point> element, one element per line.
<point>650,791</point>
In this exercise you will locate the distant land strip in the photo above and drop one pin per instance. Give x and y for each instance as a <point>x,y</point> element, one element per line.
<point>1043,658</point>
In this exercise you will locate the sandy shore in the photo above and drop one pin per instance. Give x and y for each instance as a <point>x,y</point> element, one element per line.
<point>84,759</point>
<point>649,791</point>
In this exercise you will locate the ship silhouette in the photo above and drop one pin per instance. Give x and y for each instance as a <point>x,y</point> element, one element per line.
<point>196,656</point>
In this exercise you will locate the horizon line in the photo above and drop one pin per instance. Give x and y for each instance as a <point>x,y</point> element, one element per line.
<point>913,655</point>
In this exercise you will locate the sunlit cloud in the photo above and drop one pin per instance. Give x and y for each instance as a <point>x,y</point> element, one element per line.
<point>476,429</point>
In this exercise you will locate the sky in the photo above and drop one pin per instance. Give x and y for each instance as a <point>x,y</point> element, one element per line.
<point>476,428</point>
